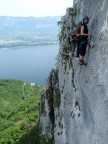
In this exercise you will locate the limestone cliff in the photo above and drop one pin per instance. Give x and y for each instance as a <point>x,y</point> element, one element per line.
<point>75,102</point>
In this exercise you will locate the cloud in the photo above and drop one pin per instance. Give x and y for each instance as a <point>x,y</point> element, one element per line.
<point>33,7</point>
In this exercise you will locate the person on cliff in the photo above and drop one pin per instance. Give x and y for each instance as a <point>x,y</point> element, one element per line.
<point>83,37</point>
<point>74,39</point>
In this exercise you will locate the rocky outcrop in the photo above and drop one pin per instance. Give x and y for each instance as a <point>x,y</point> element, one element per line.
<point>80,115</point>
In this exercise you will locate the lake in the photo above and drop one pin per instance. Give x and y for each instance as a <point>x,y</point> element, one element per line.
<point>28,47</point>
<point>31,64</point>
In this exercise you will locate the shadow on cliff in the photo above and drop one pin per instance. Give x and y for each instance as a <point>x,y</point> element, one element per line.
<point>33,137</point>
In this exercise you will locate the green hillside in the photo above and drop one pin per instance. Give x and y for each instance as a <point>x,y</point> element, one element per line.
<point>19,109</point>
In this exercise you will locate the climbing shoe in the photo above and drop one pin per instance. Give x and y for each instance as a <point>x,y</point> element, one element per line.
<point>82,62</point>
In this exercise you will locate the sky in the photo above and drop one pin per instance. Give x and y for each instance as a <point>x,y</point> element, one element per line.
<point>37,8</point>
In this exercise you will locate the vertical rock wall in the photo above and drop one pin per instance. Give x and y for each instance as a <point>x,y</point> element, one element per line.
<point>81,117</point>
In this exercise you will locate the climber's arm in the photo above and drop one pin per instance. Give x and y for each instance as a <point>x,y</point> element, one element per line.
<point>82,32</point>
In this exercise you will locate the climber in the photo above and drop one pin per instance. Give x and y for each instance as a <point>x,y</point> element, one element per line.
<point>83,37</point>
<point>78,30</point>
<point>76,38</point>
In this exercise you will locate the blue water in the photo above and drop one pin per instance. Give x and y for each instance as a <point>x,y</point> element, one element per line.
<point>31,64</point>
<point>28,48</point>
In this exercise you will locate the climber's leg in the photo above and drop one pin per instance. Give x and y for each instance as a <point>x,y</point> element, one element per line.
<point>82,52</point>
<point>81,59</point>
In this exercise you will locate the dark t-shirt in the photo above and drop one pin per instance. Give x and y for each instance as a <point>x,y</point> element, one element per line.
<point>84,38</point>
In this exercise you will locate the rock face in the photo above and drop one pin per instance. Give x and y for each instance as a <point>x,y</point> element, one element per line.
<point>80,108</point>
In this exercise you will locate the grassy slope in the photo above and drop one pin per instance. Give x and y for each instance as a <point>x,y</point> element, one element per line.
<point>19,110</point>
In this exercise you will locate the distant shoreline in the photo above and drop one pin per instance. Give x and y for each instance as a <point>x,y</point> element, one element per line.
<point>27,45</point>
